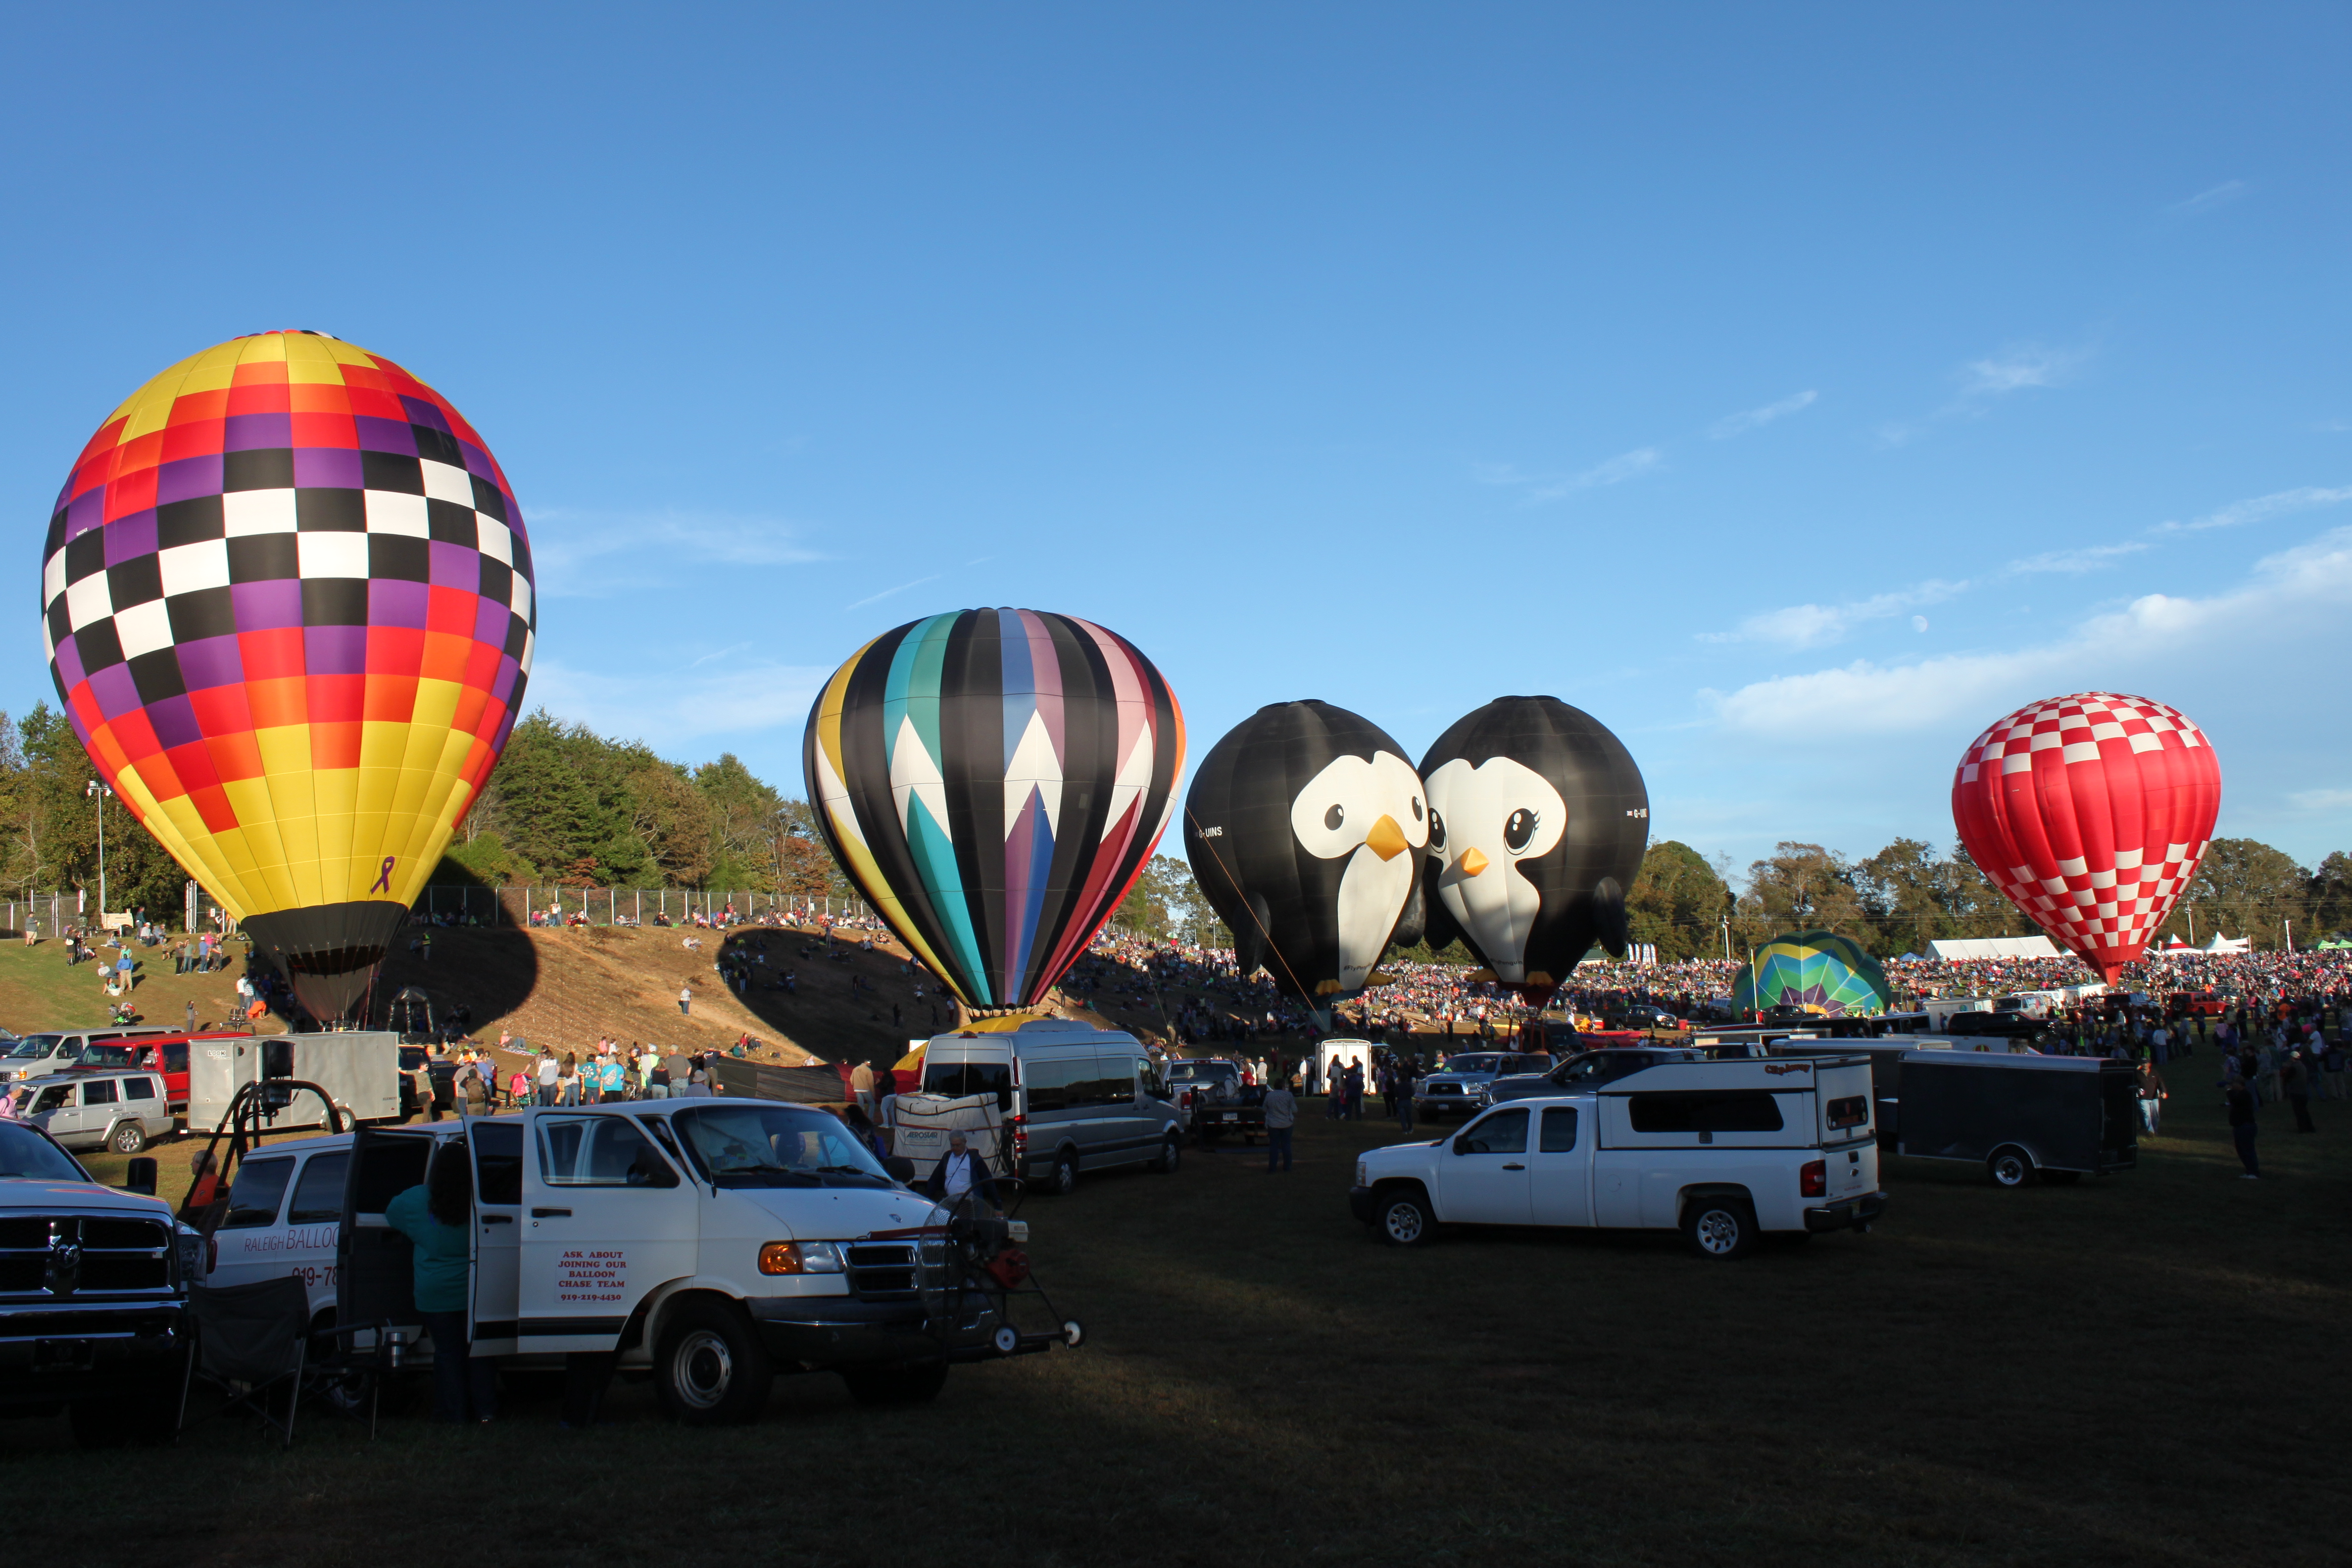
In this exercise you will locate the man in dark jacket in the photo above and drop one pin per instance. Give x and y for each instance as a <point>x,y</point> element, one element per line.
<point>960,1171</point>
<point>2241,1128</point>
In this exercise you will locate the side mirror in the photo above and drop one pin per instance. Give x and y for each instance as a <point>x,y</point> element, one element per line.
<point>1462,1143</point>
<point>900,1168</point>
<point>141,1176</point>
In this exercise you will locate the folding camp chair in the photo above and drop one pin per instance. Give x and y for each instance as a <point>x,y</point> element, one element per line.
<point>251,1341</point>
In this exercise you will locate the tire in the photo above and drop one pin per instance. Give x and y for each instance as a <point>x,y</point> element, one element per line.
<point>1720,1227</point>
<point>711,1369</point>
<point>917,1384</point>
<point>1065,1174</point>
<point>1404,1219</point>
<point>1171,1154</point>
<point>127,1137</point>
<point>2010,1166</point>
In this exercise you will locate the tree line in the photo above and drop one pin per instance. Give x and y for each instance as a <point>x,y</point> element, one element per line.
<point>567,807</point>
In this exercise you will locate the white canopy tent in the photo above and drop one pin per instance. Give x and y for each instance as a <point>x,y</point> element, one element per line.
<point>1965,949</point>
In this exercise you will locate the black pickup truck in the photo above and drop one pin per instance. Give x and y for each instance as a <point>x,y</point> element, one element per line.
<point>1212,1101</point>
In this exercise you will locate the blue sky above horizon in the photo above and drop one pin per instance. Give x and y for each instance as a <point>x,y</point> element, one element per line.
<point>1797,392</point>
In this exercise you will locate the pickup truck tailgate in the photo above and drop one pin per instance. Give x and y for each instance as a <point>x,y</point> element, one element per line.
<point>1847,1132</point>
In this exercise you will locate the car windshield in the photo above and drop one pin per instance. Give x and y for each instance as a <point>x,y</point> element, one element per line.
<point>1473,1064</point>
<point>777,1145</point>
<point>34,1045</point>
<point>25,1156</point>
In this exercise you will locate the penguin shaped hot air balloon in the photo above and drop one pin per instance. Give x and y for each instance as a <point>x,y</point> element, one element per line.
<point>1305,827</point>
<point>1537,822</point>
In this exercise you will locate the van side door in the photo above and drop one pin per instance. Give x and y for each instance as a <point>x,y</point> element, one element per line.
<point>607,1219</point>
<point>496,1150</point>
<point>376,1267</point>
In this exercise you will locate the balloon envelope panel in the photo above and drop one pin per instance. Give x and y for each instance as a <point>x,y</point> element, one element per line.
<point>1541,821</point>
<point>994,780</point>
<point>1304,828</point>
<point>287,597</point>
<point>1817,970</point>
<point>2091,812</point>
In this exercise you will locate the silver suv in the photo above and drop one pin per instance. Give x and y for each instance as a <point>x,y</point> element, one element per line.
<point>117,1110</point>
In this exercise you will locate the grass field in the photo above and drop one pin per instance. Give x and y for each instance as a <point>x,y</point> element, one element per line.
<point>2142,1369</point>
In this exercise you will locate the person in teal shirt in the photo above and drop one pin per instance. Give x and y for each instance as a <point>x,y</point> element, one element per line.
<point>435,1217</point>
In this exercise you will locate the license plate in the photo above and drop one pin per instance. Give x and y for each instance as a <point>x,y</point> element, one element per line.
<point>1229,1116</point>
<point>63,1356</point>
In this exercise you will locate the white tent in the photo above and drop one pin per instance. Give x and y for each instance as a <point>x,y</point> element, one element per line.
<point>1965,950</point>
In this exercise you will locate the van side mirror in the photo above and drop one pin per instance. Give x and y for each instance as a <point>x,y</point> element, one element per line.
<point>900,1168</point>
<point>141,1176</point>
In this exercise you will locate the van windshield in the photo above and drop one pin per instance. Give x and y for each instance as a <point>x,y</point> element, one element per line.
<point>34,1045</point>
<point>956,1079</point>
<point>776,1145</point>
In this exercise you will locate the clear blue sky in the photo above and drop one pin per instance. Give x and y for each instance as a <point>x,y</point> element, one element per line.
<point>1797,389</point>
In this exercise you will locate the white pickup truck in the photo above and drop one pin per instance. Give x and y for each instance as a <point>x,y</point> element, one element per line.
<point>1722,1150</point>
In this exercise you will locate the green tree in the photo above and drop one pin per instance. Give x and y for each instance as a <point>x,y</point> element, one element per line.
<point>2245,888</point>
<point>1677,903</point>
<point>1799,886</point>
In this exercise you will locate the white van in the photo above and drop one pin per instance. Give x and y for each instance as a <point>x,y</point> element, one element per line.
<point>713,1243</point>
<point>1069,1098</point>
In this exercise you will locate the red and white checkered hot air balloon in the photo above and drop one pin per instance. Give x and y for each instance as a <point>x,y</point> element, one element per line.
<point>2091,812</point>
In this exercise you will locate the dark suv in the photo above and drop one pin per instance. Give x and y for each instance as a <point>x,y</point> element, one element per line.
<point>1584,1071</point>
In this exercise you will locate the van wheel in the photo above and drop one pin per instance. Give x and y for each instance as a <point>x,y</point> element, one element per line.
<point>896,1384</point>
<point>1065,1174</point>
<point>1405,1220</point>
<point>2010,1166</point>
<point>1171,1154</point>
<point>1720,1227</point>
<point>711,1369</point>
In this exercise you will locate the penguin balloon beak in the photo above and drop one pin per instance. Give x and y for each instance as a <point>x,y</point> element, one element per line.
<point>1386,839</point>
<point>1472,862</point>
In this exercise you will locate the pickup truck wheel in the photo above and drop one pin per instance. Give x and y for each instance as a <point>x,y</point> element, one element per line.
<point>896,1384</point>
<point>1171,1154</point>
<point>711,1369</point>
<point>1405,1220</point>
<point>1065,1174</point>
<point>128,1137</point>
<point>2010,1166</point>
<point>1723,1229</point>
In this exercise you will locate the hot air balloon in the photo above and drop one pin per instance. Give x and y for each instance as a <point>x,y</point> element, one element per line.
<point>994,780</point>
<point>1305,827</point>
<point>1538,822</point>
<point>286,598</point>
<point>2091,812</point>
<point>1819,970</point>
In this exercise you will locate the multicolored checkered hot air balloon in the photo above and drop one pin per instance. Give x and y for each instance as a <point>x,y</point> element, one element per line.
<point>994,782</point>
<point>287,602</point>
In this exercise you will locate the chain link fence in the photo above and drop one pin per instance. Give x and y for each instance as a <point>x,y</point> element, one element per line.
<point>519,904</point>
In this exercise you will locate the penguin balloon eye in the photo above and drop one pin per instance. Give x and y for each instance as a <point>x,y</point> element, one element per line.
<point>1436,829</point>
<point>1519,829</point>
<point>1333,817</point>
<point>1416,808</point>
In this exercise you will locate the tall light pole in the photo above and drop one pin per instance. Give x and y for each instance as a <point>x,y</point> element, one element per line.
<point>99,793</point>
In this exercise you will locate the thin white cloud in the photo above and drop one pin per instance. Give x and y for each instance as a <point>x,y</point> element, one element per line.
<point>2015,369</point>
<point>1732,425</point>
<point>1626,466</point>
<point>2227,191</point>
<point>672,710</point>
<point>2321,799</point>
<point>2287,600</point>
<point>589,555</point>
<point>876,598</point>
<point>2261,507</point>
<point>1812,626</point>
<point>2090,558</point>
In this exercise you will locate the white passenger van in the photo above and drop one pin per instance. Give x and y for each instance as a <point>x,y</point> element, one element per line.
<point>1069,1097</point>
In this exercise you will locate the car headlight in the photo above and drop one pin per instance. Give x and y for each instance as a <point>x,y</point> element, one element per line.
<point>191,1248</point>
<point>1363,1174</point>
<point>800,1257</point>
